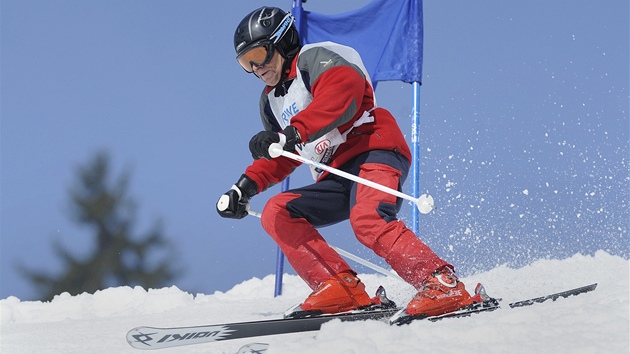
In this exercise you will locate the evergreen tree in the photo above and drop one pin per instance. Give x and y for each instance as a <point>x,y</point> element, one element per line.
<point>118,257</point>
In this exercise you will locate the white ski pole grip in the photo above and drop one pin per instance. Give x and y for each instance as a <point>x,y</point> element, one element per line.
<point>275,149</point>
<point>223,202</point>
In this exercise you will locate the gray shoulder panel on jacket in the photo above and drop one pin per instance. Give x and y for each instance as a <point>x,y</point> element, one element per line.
<point>317,60</point>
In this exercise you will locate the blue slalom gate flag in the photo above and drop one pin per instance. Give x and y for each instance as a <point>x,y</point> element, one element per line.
<point>387,34</point>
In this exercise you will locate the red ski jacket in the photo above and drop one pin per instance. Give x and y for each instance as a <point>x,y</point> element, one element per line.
<point>341,94</point>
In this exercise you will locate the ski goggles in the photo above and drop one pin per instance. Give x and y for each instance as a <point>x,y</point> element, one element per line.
<point>259,55</point>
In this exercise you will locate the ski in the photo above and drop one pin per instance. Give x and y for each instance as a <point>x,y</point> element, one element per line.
<point>488,304</point>
<point>148,338</point>
<point>295,320</point>
<point>157,338</point>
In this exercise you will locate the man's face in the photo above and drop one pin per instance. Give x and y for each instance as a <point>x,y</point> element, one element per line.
<point>271,72</point>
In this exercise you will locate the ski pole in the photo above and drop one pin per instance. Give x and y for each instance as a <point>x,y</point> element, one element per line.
<point>424,202</point>
<point>348,255</point>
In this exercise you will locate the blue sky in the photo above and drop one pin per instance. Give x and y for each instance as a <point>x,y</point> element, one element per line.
<point>524,130</point>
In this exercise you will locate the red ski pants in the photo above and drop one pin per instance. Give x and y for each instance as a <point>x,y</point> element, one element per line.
<point>291,218</point>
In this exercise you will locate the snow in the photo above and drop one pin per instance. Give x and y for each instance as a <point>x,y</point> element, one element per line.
<point>595,322</point>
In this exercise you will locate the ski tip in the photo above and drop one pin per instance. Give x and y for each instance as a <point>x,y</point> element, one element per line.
<point>555,296</point>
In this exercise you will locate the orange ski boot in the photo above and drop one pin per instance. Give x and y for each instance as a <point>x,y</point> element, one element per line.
<point>342,292</point>
<point>441,293</point>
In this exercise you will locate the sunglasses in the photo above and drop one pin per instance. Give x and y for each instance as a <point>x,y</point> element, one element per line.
<point>260,55</point>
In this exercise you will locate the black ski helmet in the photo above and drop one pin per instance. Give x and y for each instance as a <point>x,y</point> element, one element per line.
<point>265,25</point>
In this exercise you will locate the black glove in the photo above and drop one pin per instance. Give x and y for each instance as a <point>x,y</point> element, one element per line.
<point>235,202</point>
<point>259,144</point>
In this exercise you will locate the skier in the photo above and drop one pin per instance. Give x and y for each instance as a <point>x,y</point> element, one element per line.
<point>318,101</point>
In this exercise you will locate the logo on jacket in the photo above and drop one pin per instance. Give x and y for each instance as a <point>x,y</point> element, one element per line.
<point>321,147</point>
<point>326,63</point>
<point>289,112</point>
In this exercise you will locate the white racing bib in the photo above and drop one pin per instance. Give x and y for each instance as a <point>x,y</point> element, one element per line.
<point>298,98</point>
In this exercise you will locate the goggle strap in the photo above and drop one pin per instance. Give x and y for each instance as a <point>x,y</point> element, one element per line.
<point>282,28</point>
